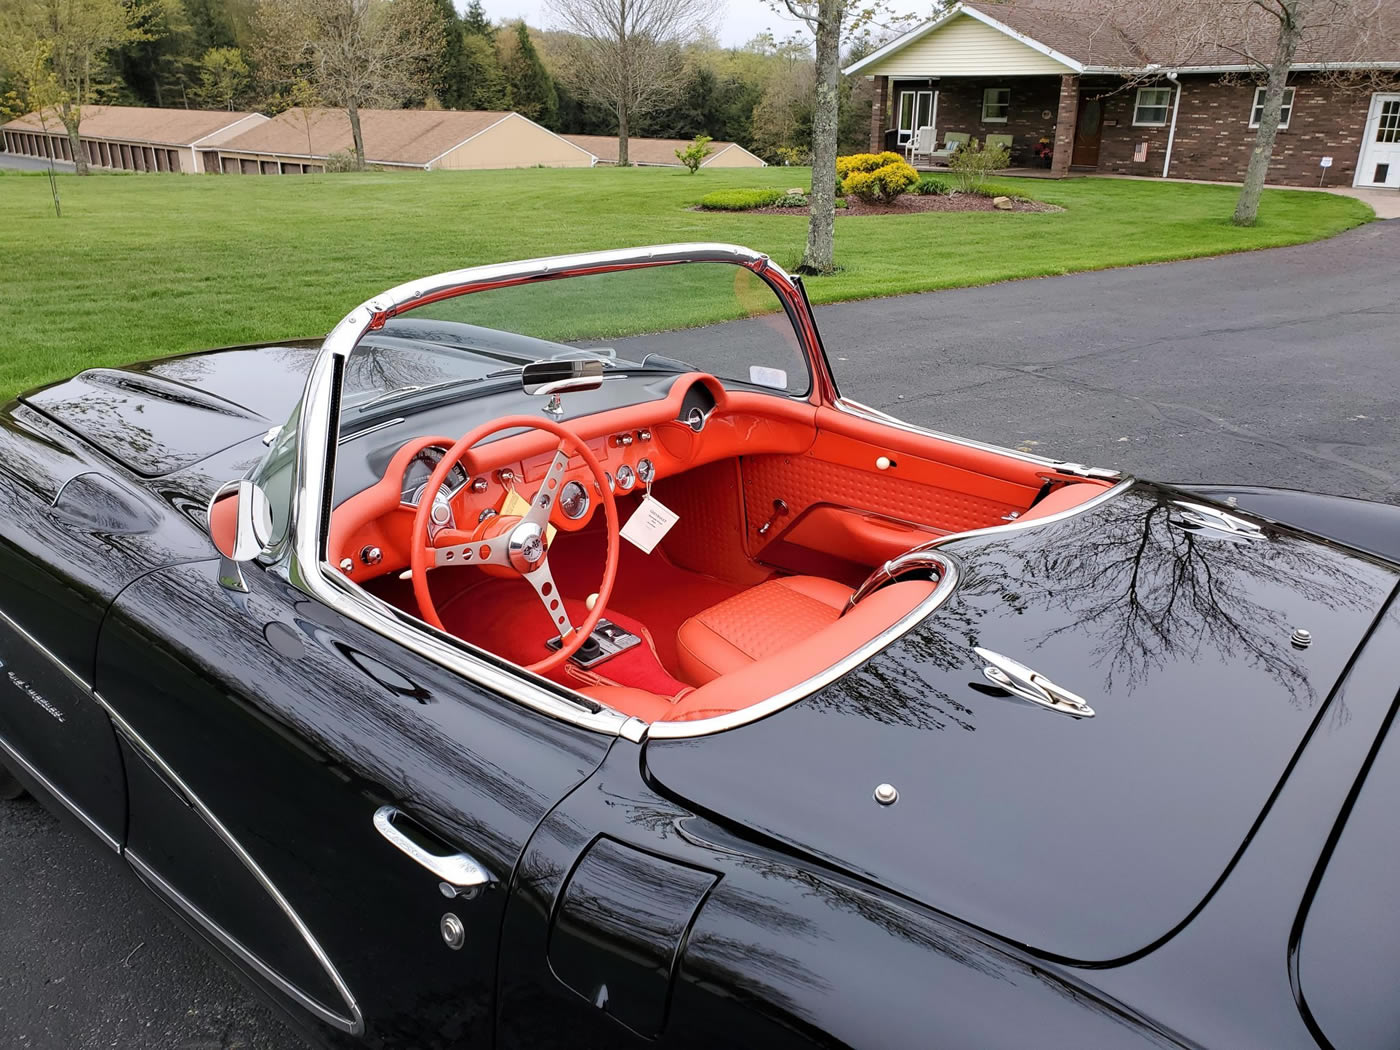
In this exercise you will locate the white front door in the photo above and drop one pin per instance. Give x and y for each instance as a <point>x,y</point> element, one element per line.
<point>916,110</point>
<point>1380,146</point>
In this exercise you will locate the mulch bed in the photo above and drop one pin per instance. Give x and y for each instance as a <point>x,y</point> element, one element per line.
<point>911,203</point>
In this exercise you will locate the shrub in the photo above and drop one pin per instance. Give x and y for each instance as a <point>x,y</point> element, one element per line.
<point>791,200</point>
<point>792,156</point>
<point>341,160</point>
<point>883,184</point>
<point>694,154</point>
<point>739,200</point>
<point>867,162</point>
<point>971,165</point>
<point>1001,189</point>
<point>933,186</point>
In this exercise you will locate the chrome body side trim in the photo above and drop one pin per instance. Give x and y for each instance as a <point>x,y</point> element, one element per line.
<point>49,787</point>
<point>947,583</point>
<point>44,651</point>
<point>354,1024</point>
<point>234,945</point>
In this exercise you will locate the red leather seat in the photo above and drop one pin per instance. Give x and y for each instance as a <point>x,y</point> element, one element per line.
<point>755,624</point>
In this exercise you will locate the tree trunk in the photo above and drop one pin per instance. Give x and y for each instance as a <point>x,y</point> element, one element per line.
<point>821,228</point>
<point>71,119</point>
<point>1289,33</point>
<point>354,112</point>
<point>622,160</point>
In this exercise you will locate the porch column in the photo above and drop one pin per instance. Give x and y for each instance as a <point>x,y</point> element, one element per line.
<point>877,114</point>
<point>1065,121</point>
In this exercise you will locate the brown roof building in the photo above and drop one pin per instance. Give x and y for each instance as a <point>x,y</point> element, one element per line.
<point>134,138</point>
<point>301,140</point>
<point>661,153</point>
<point>1142,87</point>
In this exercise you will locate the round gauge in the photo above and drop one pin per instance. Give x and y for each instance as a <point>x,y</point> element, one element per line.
<point>573,501</point>
<point>646,470</point>
<point>625,478</point>
<point>420,469</point>
<point>612,485</point>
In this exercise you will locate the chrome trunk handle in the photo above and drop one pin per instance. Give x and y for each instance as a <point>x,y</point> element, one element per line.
<point>457,870</point>
<point>1019,680</point>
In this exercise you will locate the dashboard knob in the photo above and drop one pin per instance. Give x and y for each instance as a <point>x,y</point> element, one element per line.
<point>347,566</point>
<point>884,463</point>
<point>480,485</point>
<point>371,555</point>
<point>625,440</point>
<point>591,601</point>
<point>644,435</point>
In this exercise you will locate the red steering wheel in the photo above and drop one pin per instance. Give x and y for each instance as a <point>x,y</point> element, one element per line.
<point>521,544</point>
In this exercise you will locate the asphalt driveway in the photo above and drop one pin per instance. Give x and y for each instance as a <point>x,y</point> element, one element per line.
<point>1278,367</point>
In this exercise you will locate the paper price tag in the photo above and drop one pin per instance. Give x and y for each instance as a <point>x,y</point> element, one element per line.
<point>516,505</point>
<point>649,524</point>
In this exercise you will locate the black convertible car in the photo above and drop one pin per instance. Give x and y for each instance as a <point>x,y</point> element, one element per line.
<point>552,657</point>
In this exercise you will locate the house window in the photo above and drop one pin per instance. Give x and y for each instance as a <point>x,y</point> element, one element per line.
<point>996,104</point>
<point>1152,106</point>
<point>1388,127</point>
<point>1257,113</point>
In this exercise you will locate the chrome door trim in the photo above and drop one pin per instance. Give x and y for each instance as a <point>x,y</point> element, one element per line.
<point>354,1024</point>
<point>57,794</point>
<point>153,879</point>
<point>46,652</point>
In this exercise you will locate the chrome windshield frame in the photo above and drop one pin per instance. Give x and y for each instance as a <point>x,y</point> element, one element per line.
<point>303,554</point>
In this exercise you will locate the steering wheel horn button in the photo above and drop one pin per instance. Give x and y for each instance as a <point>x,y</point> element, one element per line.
<point>526,547</point>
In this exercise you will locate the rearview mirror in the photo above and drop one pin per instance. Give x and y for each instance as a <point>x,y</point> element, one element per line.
<point>558,377</point>
<point>240,521</point>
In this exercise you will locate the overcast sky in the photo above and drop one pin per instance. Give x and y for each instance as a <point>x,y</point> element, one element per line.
<point>741,22</point>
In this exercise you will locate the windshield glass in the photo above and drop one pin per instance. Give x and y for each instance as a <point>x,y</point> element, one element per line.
<point>708,317</point>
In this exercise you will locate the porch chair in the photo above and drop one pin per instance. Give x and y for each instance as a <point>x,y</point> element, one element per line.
<point>922,143</point>
<point>951,141</point>
<point>994,141</point>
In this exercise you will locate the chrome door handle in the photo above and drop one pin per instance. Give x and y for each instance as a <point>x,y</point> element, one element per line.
<point>1019,680</point>
<point>457,870</point>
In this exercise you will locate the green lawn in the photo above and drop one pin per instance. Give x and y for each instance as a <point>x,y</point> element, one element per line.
<point>141,266</point>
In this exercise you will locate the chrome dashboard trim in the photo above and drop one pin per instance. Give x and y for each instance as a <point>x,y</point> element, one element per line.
<point>354,1024</point>
<point>233,944</point>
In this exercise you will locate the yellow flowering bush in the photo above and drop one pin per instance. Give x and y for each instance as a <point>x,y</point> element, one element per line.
<point>879,184</point>
<point>865,162</point>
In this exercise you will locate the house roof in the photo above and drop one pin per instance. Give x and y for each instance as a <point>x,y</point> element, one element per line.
<point>391,136</point>
<point>645,151</point>
<point>1135,34</point>
<point>169,127</point>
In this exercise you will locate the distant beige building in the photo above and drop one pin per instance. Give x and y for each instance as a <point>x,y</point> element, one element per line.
<point>661,153</point>
<point>131,138</point>
<point>301,139</point>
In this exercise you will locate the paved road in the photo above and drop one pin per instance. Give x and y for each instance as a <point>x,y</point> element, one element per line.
<point>19,162</point>
<point>1279,367</point>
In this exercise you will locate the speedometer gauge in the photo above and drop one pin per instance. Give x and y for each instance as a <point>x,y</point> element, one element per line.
<point>646,470</point>
<point>573,501</point>
<point>420,469</point>
<point>625,478</point>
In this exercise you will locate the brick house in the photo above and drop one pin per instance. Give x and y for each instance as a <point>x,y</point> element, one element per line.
<point>1109,94</point>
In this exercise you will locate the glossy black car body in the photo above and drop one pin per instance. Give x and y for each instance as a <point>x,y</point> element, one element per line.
<point>1205,863</point>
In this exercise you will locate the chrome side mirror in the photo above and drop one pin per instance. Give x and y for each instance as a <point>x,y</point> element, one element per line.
<point>240,525</point>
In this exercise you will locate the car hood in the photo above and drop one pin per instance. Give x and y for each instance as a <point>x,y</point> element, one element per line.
<point>164,416</point>
<point>1084,839</point>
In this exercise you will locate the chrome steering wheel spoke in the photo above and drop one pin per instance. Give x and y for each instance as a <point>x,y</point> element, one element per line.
<point>548,493</point>
<point>542,580</point>
<point>493,551</point>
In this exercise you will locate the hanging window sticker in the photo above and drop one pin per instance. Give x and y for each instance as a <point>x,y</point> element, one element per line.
<point>649,524</point>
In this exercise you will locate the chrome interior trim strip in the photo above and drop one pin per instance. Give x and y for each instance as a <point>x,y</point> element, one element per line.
<point>68,803</point>
<point>947,584</point>
<point>353,1024</point>
<point>1112,492</point>
<point>371,430</point>
<point>229,941</point>
<point>855,408</point>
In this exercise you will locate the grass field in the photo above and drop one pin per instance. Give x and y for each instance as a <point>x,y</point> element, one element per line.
<point>141,266</point>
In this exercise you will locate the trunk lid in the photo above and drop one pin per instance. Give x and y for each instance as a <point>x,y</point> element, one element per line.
<point>1085,839</point>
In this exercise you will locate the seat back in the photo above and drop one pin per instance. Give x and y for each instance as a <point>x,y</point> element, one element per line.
<point>953,139</point>
<point>999,140</point>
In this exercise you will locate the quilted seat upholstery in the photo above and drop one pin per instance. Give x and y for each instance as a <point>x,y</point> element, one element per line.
<point>755,624</point>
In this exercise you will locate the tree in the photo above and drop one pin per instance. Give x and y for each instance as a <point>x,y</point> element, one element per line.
<point>625,54</point>
<point>531,87</point>
<point>824,18</point>
<point>474,21</point>
<point>356,54</point>
<point>483,76</point>
<point>695,153</point>
<point>451,78</point>
<point>158,66</point>
<point>71,41</point>
<point>223,77</point>
<point>28,68</point>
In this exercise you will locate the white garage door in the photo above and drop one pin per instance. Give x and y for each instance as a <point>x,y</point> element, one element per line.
<point>1380,150</point>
